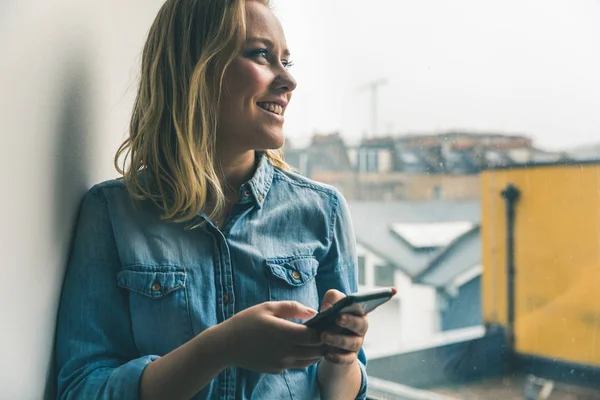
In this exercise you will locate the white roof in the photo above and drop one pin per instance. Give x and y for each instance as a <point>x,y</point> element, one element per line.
<point>409,158</point>
<point>436,234</point>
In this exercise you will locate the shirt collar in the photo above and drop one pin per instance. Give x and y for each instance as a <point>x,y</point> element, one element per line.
<point>257,187</point>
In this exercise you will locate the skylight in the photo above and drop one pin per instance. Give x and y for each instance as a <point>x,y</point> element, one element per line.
<point>437,234</point>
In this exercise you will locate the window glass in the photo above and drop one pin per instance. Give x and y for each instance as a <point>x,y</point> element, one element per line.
<point>465,136</point>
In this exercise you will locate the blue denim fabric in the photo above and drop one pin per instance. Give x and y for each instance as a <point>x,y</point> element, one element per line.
<point>138,287</point>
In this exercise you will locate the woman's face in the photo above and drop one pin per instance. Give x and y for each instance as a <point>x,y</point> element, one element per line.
<point>257,87</point>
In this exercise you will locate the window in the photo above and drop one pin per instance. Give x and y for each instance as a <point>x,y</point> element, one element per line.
<point>384,275</point>
<point>437,192</point>
<point>429,195</point>
<point>361,270</point>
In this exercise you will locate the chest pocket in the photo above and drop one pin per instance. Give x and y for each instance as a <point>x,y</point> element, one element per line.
<point>293,278</point>
<point>158,306</point>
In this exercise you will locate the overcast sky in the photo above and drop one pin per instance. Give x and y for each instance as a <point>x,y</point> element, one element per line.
<point>517,66</point>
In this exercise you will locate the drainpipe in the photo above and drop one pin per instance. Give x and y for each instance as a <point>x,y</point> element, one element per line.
<point>511,195</point>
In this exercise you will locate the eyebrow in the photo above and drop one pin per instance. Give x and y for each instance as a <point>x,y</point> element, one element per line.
<point>268,43</point>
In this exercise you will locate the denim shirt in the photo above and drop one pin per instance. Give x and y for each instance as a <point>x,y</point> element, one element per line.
<point>138,287</point>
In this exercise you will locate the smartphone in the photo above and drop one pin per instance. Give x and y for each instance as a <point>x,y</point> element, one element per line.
<point>357,304</point>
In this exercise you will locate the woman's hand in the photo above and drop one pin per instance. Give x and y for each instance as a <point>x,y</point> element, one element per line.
<point>260,339</point>
<point>343,348</point>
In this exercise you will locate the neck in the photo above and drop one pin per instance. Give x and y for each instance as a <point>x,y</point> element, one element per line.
<point>237,170</point>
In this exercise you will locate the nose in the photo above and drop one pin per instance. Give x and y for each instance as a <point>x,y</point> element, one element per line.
<point>284,81</point>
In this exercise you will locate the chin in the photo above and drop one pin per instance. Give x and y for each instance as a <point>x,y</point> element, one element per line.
<point>278,144</point>
<point>273,142</point>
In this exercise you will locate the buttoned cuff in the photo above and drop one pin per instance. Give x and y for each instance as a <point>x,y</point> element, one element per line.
<point>125,380</point>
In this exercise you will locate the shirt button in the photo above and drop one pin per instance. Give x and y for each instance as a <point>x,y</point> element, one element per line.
<point>156,287</point>
<point>295,275</point>
<point>225,299</point>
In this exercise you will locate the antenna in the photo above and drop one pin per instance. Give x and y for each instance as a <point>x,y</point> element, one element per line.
<point>372,87</point>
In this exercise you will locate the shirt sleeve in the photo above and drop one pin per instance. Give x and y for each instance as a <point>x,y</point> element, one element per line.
<point>338,269</point>
<point>95,352</point>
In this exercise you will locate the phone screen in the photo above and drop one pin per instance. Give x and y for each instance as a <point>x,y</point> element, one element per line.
<point>363,307</point>
<point>357,304</point>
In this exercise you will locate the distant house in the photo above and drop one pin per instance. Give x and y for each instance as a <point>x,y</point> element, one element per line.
<point>397,243</point>
<point>374,156</point>
<point>416,161</point>
<point>540,321</point>
<point>326,152</point>
<point>456,274</point>
<point>443,166</point>
<point>589,152</point>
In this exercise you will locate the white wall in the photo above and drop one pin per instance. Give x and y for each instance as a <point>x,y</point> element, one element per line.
<point>412,316</point>
<point>421,314</point>
<point>67,79</point>
<point>384,329</point>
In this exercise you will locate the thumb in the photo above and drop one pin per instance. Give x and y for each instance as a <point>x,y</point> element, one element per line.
<point>292,309</point>
<point>331,297</point>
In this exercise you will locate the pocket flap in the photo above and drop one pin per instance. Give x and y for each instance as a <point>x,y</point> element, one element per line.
<point>295,271</point>
<point>153,283</point>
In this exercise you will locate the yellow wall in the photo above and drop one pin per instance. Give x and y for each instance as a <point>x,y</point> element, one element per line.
<point>557,259</point>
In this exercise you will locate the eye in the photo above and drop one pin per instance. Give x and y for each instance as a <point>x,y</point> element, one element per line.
<point>259,53</point>
<point>287,64</point>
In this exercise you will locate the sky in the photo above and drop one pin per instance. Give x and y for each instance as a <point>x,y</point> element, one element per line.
<point>527,67</point>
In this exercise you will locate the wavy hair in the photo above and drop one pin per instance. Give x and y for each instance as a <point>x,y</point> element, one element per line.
<point>170,153</point>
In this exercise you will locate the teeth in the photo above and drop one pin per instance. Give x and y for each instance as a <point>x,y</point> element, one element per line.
<point>272,107</point>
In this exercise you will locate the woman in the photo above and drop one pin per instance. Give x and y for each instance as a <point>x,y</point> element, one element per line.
<point>188,277</point>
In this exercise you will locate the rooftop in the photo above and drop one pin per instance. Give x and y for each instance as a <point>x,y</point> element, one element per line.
<point>431,234</point>
<point>373,223</point>
<point>454,261</point>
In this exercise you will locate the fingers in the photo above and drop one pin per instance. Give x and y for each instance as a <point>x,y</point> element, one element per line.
<point>341,357</point>
<point>343,342</point>
<point>290,309</point>
<point>296,334</point>
<point>309,352</point>
<point>331,297</point>
<point>303,336</point>
<point>356,324</point>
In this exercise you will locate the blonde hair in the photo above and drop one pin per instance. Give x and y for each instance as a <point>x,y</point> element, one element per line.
<point>170,154</point>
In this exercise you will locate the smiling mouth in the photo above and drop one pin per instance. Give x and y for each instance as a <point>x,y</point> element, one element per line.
<point>271,107</point>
